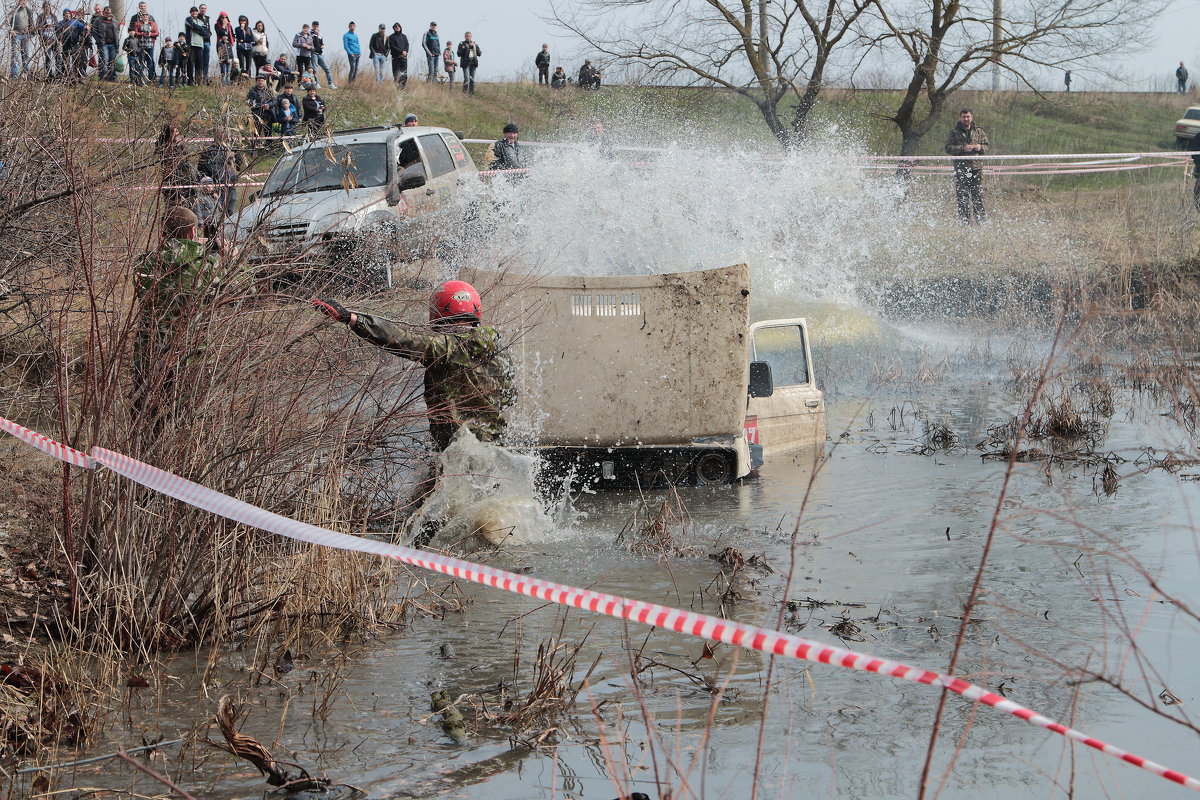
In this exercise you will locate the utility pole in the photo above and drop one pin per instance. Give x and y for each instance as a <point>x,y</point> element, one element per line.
<point>997,10</point>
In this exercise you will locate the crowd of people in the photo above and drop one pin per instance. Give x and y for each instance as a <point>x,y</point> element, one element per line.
<point>68,46</point>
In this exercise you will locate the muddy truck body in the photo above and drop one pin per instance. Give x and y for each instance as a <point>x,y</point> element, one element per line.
<point>653,379</point>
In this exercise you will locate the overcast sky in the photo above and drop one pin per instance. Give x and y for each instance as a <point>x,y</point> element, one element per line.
<point>511,33</point>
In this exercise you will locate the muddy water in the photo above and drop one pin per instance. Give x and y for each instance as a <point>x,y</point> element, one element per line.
<point>885,552</point>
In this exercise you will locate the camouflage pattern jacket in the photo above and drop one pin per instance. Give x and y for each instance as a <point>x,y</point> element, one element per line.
<point>959,137</point>
<point>468,377</point>
<point>177,274</point>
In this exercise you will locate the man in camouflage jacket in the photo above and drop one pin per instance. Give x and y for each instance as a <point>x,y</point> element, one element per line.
<point>468,377</point>
<point>966,138</point>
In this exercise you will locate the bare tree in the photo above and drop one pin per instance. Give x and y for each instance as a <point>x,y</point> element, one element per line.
<point>765,50</point>
<point>947,42</point>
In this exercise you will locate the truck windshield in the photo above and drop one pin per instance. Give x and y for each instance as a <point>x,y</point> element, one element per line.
<point>783,348</point>
<point>335,167</point>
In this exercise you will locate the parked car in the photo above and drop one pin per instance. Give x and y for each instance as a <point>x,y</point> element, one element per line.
<point>1187,127</point>
<point>357,203</point>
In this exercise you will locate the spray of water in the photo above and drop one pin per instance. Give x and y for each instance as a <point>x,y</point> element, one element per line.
<point>819,224</point>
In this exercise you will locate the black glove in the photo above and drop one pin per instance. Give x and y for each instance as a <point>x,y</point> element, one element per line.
<point>331,307</point>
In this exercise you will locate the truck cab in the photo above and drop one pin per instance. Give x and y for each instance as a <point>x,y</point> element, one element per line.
<point>358,202</point>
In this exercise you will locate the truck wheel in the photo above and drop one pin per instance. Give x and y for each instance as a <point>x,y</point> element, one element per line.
<point>714,468</point>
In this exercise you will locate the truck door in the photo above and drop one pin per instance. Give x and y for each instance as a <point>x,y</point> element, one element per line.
<point>794,414</point>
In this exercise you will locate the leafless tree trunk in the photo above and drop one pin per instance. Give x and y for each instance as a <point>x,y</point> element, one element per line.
<point>765,50</point>
<point>948,41</point>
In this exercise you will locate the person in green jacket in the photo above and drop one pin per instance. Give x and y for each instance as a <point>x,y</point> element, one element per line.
<point>172,283</point>
<point>468,376</point>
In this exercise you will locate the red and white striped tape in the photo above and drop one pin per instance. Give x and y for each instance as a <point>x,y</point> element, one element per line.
<point>703,626</point>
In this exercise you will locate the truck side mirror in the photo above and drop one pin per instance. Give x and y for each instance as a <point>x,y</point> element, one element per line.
<point>412,180</point>
<point>761,384</point>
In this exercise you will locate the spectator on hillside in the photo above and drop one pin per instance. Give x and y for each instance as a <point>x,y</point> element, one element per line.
<point>197,32</point>
<point>261,101</point>
<point>169,63</point>
<point>287,93</point>
<point>411,121</point>
<point>968,139</point>
<point>20,36</point>
<point>106,32</point>
<point>353,50</point>
<point>47,25</point>
<point>505,154</point>
<point>319,61</point>
<point>284,76</point>
<point>303,42</point>
<point>398,50</point>
<point>1067,80</point>
<point>377,49</point>
<point>226,59</point>
<point>243,43</point>
<point>71,43</point>
<point>314,110</point>
<point>1181,79</point>
<point>468,57</point>
<point>589,76</point>
<point>287,115</point>
<point>542,62</point>
<point>559,81</point>
<point>261,46</point>
<point>206,49</point>
<point>449,64</point>
<point>222,29</point>
<point>431,43</point>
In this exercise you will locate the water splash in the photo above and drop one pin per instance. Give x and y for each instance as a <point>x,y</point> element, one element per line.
<point>487,495</point>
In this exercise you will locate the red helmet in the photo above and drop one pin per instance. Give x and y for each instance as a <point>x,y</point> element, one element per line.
<point>455,299</point>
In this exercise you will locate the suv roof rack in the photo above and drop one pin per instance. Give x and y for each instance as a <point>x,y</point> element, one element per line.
<point>372,129</point>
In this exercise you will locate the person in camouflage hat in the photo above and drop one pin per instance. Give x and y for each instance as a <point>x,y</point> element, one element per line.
<point>468,376</point>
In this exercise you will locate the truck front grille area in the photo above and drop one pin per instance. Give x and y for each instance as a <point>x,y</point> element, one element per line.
<point>284,232</point>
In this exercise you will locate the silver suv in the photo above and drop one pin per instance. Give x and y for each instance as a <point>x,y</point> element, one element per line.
<point>358,203</point>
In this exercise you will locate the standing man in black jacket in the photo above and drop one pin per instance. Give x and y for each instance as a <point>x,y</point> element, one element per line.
<point>398,50</point>
<point>542,62</point>
<point>468,59</point>
<point>377,51</point>
<point>318,56</point>
<point>106,31</point>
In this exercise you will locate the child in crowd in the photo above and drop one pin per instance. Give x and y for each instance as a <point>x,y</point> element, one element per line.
<point>168,60</point>
<point>183,50</point>
<point>287,117</point>
<point>228,59</point>
<point>448,62</point>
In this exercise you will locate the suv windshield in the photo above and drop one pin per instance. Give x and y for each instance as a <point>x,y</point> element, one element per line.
<point>334,167</point>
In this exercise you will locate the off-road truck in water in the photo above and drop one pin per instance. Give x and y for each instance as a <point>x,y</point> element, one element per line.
<point>357,203</point>
<point>643,380</point>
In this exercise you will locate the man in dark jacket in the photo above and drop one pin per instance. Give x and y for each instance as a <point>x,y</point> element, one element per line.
<point>1181,78</point>
<point>506,153</point>
<point>319,62</point>
<point>377,51</point>
<point>542,62</point>
<point>468,59</point>
<point>261,101</point>
<point>589,76</point>
<point>106,32</point>
<point>314,110</point>
<point>431,44</point>
<point>398,50</point>
<point>967,139</point>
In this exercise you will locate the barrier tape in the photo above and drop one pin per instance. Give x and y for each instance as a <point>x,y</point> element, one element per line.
<point>738,634</point>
